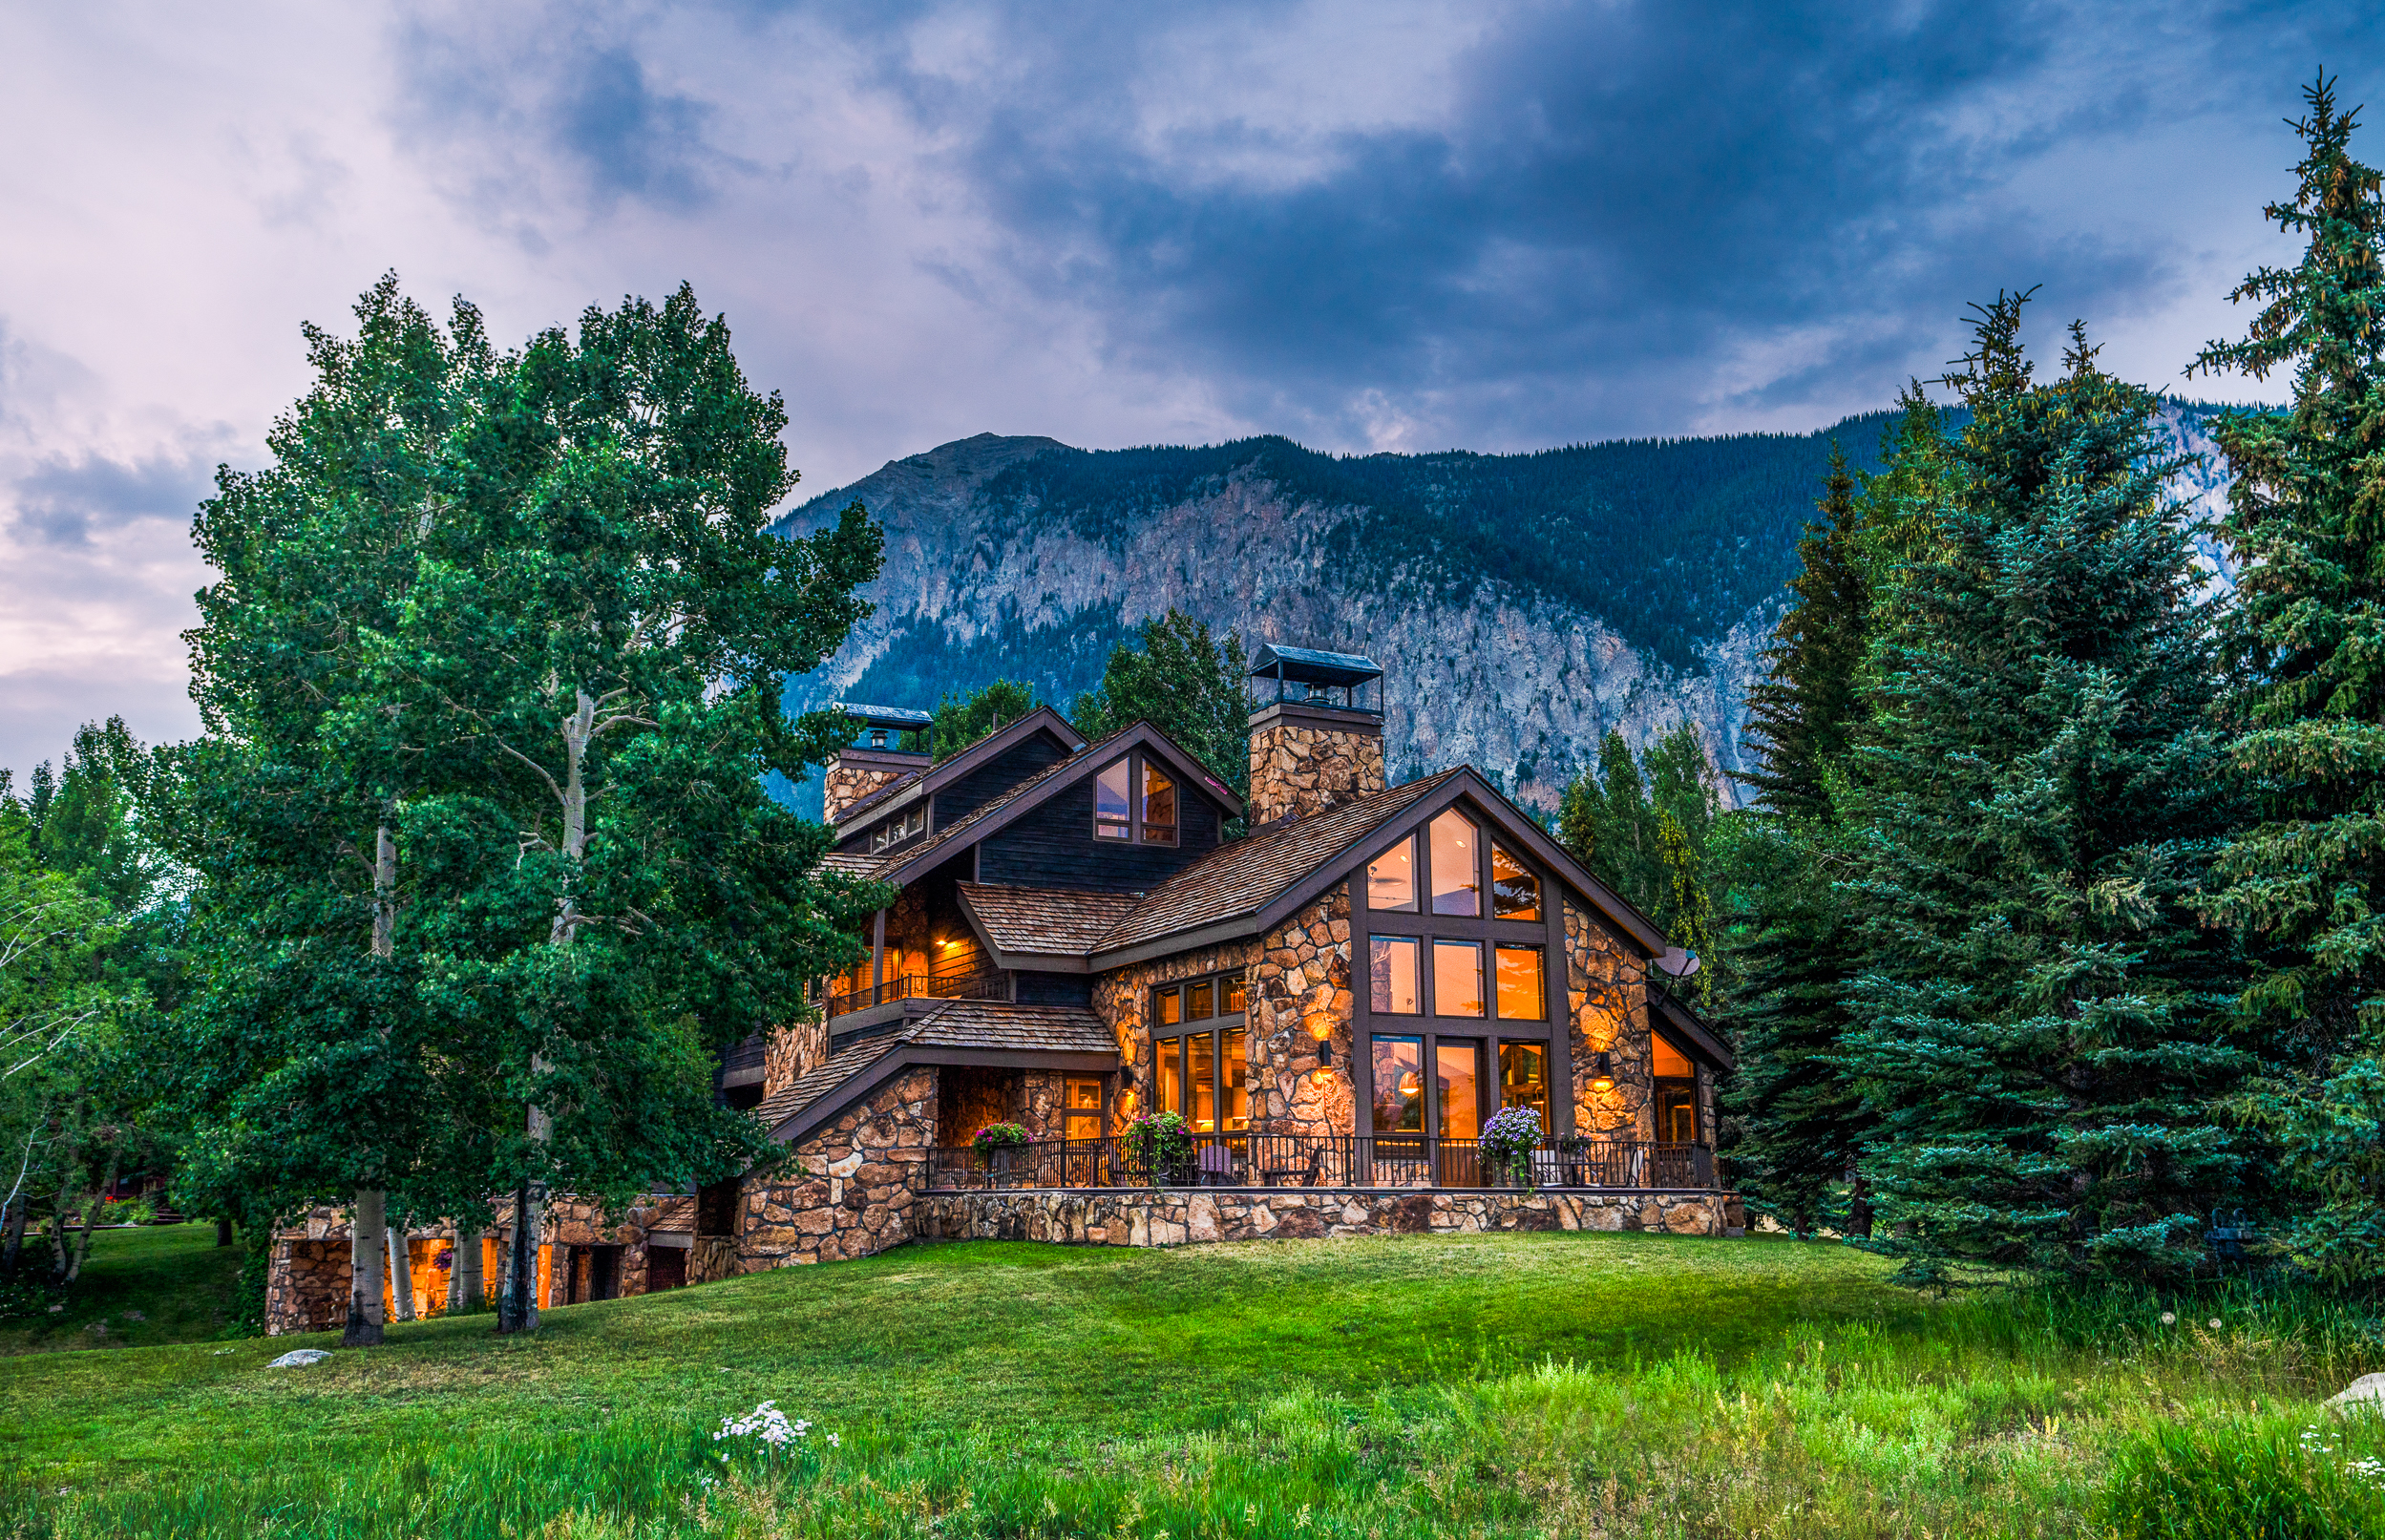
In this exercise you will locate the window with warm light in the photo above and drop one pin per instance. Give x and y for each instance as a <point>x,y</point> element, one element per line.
<point>1391,879</point>
<point>1514,892</point>
<point>1457,977</point>
<point>1457,876</point>
<point>1393,973</point>
<point>1159,806</point>
<point>1081,1109</point>
<point>1398,1077</point>
<point>1201,1067</point>
<point>1523,995</point>
<point>1675,1088</point>
<point>1524,1078</point>
<point>1457,1089</point>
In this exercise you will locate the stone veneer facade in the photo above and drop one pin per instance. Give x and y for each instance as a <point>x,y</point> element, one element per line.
<point>1176,1216</point>
<point>857,773</point>
<point>852,1194</point>
<point>1305,759</point>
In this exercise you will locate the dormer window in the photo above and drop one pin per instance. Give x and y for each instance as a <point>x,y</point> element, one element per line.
<point>1135,801</point>
<point>895,831</point>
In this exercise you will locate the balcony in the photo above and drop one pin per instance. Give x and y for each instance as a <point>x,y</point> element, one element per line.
<point>921,986</point>
<point>1260,1160</point>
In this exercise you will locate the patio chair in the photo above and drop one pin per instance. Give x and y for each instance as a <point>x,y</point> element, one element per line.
<point>1215,1164</point>
<point>1310,1171</point>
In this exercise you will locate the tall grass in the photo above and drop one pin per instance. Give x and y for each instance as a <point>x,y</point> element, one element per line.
<point>2028,1412</point>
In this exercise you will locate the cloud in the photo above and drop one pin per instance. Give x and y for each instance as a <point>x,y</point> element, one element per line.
<point>60,502</point>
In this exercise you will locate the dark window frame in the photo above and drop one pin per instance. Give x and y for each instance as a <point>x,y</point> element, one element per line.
<point>1136,837</point>
<point>1180,1032</point>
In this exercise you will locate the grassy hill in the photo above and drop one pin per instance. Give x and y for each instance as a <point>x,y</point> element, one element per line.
<point>1520,1384</point>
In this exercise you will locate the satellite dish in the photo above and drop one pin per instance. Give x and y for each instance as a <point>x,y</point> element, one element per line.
<point>1679,962</point>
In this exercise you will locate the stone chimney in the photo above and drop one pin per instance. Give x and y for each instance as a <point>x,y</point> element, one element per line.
<point>1308,750</point>
<point>875,761</point>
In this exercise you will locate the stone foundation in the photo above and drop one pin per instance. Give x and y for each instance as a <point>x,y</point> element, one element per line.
<point>1176,1217</point>
<point>852,1195</point>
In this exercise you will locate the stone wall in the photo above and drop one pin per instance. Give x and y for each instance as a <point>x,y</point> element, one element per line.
<point>1297,770</point>
<point>1302,977</point>
<point>1607,986</point>
<point>852,1195</point>
<point>1187,1216</point>
<point>789,1051</point>
<point>845,785</point>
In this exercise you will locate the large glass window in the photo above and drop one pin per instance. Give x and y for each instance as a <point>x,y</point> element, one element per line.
<point>1457,1085</point>
<point>1235,986</point>
<point>1457,977</point>
<point>1523,1079</point>
<point>1171,1007</point>
<point>1514,892</point>
<point>1393,973</point>
<point>1201,999</point>
<point>1457,872</point>
<point>1081,1109</point>
<point>1232,1078</point>
<point>1391,879</point>
<point>1677,1091</point>
<point>1112,814</point>
<point>1522,997</point>
<point>1168,1079</point>
<point>1666,1061</point>
<point>1159,806</point>
<point>1398,1075</point>
<point>1201,1082</point>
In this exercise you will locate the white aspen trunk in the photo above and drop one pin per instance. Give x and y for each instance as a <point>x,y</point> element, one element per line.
<point>577,729</point>
<point>401,1274</point>
<point>369,1235</point>
<point>464,1287</point>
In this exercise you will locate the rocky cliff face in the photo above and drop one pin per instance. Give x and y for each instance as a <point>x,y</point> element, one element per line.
<point>1485,672</point>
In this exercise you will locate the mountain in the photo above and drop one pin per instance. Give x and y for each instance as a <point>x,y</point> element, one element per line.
<point>1520,605</point>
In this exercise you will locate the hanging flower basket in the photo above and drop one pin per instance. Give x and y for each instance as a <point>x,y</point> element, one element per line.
<point>1507,1143</point>
<point>995,1142</point>
<point>1158,1147</point>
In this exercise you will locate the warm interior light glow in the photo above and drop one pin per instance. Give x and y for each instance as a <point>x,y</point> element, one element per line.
<point>1411,1084</point>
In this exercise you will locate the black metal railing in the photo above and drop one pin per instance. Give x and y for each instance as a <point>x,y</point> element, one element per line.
<point>1315,1160</point>
<point>924,986</point>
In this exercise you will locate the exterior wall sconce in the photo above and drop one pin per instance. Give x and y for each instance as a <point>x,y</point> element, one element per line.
<point>1602,1071</point>
<point>1322,1029</point>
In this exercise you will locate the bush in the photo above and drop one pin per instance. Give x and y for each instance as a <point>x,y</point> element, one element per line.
<point>2282,1479</point>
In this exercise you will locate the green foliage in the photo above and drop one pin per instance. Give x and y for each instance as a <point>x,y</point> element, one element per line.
<point>1185,684</point>
<point>1802,717</point>
<point>960,722</point>
<point>2040,1023</point>
<point>2272,1478</point>
<point>1643,827</point>
<point>2305,649</point>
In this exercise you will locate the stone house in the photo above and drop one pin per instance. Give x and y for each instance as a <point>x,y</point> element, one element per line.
<point>1331,1005</point>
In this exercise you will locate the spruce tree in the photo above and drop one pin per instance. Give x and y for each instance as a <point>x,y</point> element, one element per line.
<point>1801,716</point>
<point>2036,800</point>
<point>2304,880</point>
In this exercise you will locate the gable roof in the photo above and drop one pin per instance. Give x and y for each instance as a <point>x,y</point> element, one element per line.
<point>1042,923</point>
<point>984,1031</point>
<point>993,746</point>
<point>902,865</point>
<point>1689,1030</point>
<point>1251,885</point>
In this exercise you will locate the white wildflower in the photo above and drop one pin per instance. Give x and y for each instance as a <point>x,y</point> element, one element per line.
<point>2215,1323</point>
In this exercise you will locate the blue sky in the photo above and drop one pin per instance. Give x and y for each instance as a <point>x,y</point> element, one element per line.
<point>1375,226</point>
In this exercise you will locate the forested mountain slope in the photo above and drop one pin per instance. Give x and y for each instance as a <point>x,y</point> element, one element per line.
<point>1521,604</point>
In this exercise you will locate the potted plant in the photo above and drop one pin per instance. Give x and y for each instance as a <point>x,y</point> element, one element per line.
<point>995,1142</point>
<point>1507,1143</point>
<point>1158,1146</point>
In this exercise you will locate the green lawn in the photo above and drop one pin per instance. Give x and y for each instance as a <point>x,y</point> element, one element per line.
<point>1513,1385</point>
<point>140,1287</point>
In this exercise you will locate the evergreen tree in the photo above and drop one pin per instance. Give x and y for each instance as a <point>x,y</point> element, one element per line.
<point>1800,717</point>
<point>1185,683</point>
<point>1643,826</point>
<point>2305,649</point>
<point>2035,804</point>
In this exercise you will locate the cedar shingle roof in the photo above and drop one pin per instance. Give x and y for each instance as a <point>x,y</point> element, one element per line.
<point>1045,921</point>
<point>998,1023</point>
<point>849,863</point>
<point>955,1023</point>
<point>1245,876</point>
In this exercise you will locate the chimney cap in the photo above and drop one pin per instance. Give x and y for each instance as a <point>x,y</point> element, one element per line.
<point>886,716</point>
<point>1306,665</point>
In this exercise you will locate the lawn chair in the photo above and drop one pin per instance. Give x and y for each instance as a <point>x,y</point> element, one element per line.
<point>1216,1165</point>
<point>1310,1171</point>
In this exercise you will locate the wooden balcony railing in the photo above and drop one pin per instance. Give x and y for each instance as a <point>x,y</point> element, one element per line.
<point>922,987</point>
<point>1312,1160</point>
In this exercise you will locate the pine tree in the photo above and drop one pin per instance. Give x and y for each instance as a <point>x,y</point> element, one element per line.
<point>2039,1025</point>
<point>1800,717</point>
<point>2306,650</point>
<point>1642,826</point>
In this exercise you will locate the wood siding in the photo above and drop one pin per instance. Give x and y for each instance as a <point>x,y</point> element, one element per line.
<point>991,779</point>
<point>1053,847</point>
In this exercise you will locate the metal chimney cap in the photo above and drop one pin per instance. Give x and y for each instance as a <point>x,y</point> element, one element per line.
<point>1306,665</point>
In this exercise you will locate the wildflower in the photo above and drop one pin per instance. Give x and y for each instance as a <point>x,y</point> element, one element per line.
<point>2215,1323</point>
<point>2169,1318</point>
<point>832,1441</point>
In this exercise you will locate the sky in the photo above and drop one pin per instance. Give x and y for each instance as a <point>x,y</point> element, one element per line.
<point>1377,226</point>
